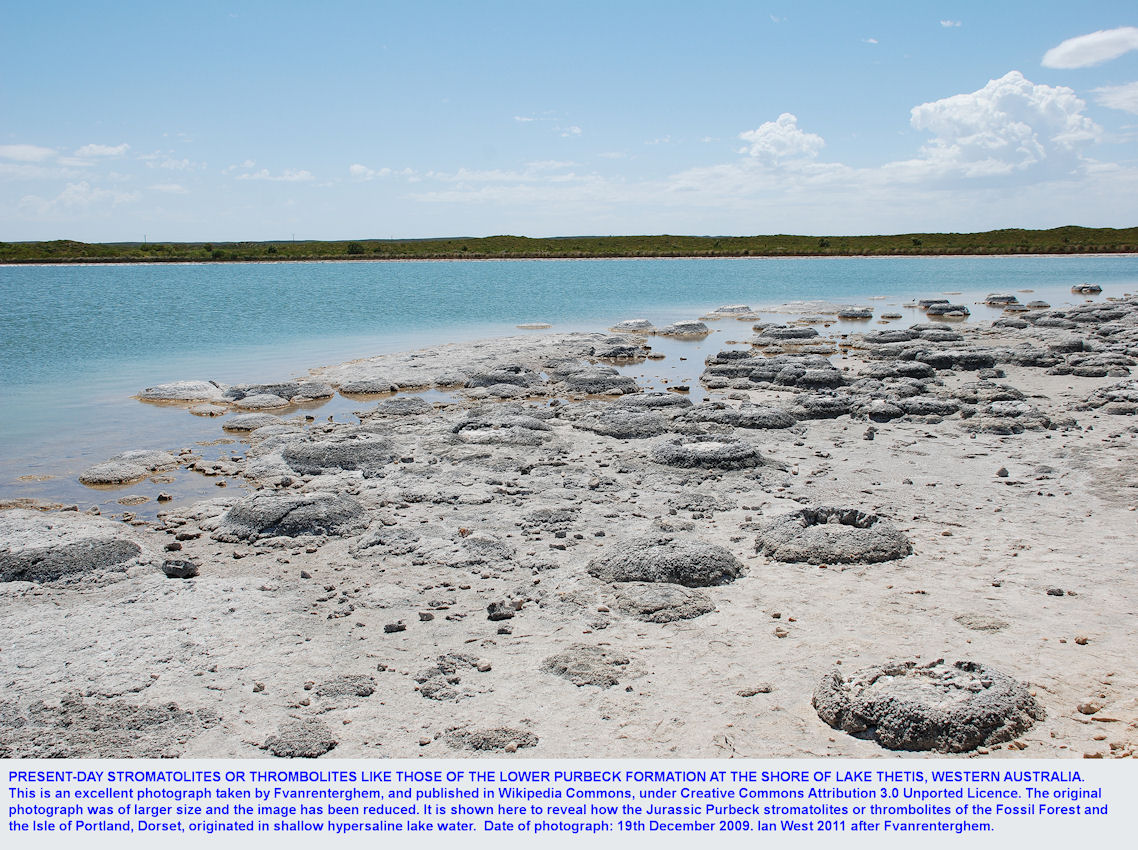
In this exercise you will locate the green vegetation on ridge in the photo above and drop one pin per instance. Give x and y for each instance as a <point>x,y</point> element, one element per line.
<point>1060,240</point>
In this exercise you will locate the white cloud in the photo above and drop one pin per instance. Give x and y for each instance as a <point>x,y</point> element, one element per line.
<point>869,41</point>
<point>1092,49</point>
<point>523,119</point>
<point>287,176</point>
<point>950,24</point>
<point>172,164</point>
<point>1010,132</point>
<point>1009,125</point>
<point>26,153</point>
<point>229,169</point>
<point>1124,97</point>
<point>362,172</point>
<point>570,131</point>
<point>103,150</point>
<point>79,197</point>
<point>781,141</point>
<point>170,188</point>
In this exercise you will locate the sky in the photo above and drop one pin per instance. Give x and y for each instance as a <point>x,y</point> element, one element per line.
<point>243,120</point>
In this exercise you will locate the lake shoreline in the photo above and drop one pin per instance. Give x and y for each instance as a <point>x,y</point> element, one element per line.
<point>557,559</point>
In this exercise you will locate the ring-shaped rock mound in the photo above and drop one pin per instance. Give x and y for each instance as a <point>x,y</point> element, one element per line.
<point>706,451</point>
<point>663,558</point>
<point>291,515</point>
<point>832,535</point>
<point>948,708</point>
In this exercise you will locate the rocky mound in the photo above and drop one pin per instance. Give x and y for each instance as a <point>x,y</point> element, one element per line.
<point>583,664</point>
<point>832,535</point>
<point>42,547</point>
<point>661,603</point>
<point>291,515</point>
<point>128,467</point>
<point>301,739</point>
<point>661,558</point>
<point>348,452</point>
<point>946,708</point>
<point>707,452</point>
<point>483,740</point>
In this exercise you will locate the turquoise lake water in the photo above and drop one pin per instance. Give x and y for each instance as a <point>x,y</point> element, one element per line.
<point>77,341</point>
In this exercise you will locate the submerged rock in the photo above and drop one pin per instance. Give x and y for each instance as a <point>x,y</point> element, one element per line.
<point>910,706</point>
<point>662,558</point>
<point>250,422</point>
<point>832,535</point>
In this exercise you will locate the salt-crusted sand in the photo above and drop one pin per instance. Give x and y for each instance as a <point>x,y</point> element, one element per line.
<point>558,564</point>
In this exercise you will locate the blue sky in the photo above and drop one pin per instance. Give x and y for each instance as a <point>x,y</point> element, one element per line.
<point>258,120</point>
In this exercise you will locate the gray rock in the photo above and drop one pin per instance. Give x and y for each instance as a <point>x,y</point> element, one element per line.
<point>287,390</point>
<point>357,685</point>
<point>403,406</point>
<point>180,569</point>
<point>503,428</point>
<point>947,310</point>
<point>265,514</point>
<point>301,739</point>
<point>583,664</point>
<point>369,386</point>
<point>921,707</point>
<point>746,416</point>
<point>184,391</point>
<point>820,406</point>
<point>624,424</point>
<point>656,602</point>
<point>261,401</point>
<point>128,467</point>
<point>88,727</point>
<point>651,401</point>
<point>39,547</point>
<point>491,740</point>
<point>889,336</point>
<point>685,329</point>
<point>600,381</point>
<point>518,376</point>
<point>664,558</point>
<point>642,326</point>
<point>249,422</point>
<point>364,452</point>
<point>707,452</point>
<point>832,535</point>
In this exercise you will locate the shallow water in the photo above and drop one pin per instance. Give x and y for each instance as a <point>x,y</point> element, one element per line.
<point>76,342</point>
